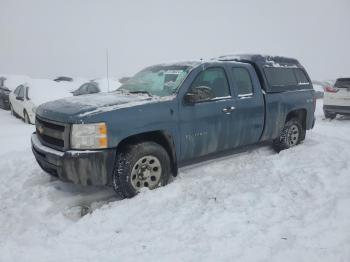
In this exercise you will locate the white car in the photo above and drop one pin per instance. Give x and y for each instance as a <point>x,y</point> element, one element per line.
<point>27,97</point>
<point>337,98</point>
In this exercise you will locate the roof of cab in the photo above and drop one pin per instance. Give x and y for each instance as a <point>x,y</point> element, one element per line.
<point>262,60</point>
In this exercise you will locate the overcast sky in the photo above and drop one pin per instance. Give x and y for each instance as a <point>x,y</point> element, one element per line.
<point>43,38</point>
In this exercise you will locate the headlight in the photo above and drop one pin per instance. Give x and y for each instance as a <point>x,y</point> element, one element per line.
<point>89,136</point>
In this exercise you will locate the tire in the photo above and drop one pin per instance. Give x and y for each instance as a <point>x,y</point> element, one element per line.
<point>329,115</point>
<point>145,164</point>
<point>26,117</point>
<point>291,135</point>
<point>2,103</point>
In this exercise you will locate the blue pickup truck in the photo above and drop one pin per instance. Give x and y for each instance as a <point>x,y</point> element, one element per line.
<point>169,115</point>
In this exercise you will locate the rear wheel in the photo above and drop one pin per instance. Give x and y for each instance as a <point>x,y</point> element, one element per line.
<point>291,135</point>
<point>145,164</point>
<point>329,115</point>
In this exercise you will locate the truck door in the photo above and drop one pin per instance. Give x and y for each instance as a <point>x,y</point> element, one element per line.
<point>205,124</point>
<point>248,116</point>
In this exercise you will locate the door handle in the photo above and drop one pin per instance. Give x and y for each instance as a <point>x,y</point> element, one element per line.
<point>228,109</point>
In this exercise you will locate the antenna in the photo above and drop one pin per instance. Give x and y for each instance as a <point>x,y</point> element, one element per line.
<point>107,68</point>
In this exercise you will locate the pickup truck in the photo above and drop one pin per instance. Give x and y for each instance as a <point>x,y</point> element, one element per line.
<point>169,115</point>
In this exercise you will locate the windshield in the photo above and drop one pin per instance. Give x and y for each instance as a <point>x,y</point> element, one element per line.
<point>157,80</point>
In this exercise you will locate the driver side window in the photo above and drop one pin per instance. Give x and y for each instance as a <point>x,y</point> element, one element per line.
<point>18,88</point>
<point>84,89</point>
<point>214,79</point>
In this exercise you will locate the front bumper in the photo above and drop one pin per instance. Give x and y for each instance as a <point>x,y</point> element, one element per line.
<point>79,167</point>
<point>345,110</point>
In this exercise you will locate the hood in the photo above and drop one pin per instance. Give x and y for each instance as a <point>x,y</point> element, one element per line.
<point>71,108</point>
<point>80,108</point>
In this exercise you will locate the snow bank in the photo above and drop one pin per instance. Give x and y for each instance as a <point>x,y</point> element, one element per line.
<point>252,206</point>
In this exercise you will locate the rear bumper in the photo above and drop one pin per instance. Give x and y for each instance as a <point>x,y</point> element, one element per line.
<point>78,167</point>
<point>337,109</point>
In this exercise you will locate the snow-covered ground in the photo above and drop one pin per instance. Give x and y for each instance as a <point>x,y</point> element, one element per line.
<point>252,206</point>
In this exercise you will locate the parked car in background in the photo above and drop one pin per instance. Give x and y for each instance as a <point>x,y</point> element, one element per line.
<point>170,115</point>
<point>63,79</point>
<point>74,85</point>
<point>4,94</point>
<point>337,98</point>
<point>28,96</point>
<point>92,87</point>
<point>107,85</point>
<point>86,89</point>
<point>7,84</point>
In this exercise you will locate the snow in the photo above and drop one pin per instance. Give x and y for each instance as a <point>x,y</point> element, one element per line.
<point>43,90</point>
<point>102,84</point>
<point>72,86</point>
<point>252,206</point>
<point>110,102</point>
<point>114,84</point>
<point>12,81</point>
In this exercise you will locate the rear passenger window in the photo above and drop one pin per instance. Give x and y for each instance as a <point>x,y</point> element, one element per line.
<point>301,77</point>
<point>214,78</point>
<point>242,81</point>
<point>280,76</point>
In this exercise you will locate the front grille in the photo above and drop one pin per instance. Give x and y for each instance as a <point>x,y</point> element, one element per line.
<point>53,134</point>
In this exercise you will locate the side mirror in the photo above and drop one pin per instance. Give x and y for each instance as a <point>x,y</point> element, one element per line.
<point>199,94</point>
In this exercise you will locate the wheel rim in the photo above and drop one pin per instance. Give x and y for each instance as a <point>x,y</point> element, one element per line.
<point>146,172</point>
<point>293,135</point>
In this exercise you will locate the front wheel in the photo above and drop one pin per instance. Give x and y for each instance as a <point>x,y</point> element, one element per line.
<point>145,164</point>
<point>291,135</point>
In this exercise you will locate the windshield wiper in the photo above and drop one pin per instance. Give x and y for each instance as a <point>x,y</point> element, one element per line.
<point>140,92</point>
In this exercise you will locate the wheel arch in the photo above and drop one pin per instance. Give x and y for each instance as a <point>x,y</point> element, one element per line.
<point>160,137</point>
<point>301,115</point>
